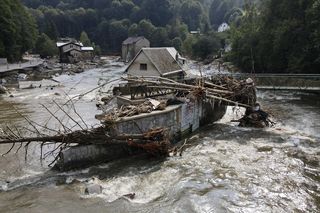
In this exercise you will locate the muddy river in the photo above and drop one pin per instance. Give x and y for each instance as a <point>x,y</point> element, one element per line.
<point>225,168</point>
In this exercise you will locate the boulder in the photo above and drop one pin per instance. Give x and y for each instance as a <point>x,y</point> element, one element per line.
<point>22,76</point>
<point>3,90</point>
<point>93,189</point>
<point>131,196</point>
<point>264,148</point>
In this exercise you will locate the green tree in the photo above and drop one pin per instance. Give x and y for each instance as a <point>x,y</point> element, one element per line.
<point>51,30</point>
<point>218,10</point>
<point>133,30</point>
<point>146,28</point>
<point>245,40</point>
<point>312,58</point>
<point>206,46</point>
<point>118,32</point>
<point>177,43</point>
<point>158,11</point>
<point>45,46</point>
<point>191,14</point>
<point>102,35</point>
<point>159,37</point>
<point>84,39</point>
<point>187,45</point>
<point>97,50</point>
<point>17,30</point>
<point>176,28</point>
<point>278,38</point>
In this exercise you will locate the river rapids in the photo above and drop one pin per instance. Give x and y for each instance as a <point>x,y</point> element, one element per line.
<point>225,168</point>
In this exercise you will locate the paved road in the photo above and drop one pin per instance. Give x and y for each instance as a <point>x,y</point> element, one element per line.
<point>31,63</point>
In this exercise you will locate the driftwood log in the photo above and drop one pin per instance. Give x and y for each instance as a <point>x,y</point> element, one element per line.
<point>233,92</point>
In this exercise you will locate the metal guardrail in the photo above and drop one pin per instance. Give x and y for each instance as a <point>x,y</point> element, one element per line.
<point>266,75</point>
<point>310,89</point>
<point>283,81</point>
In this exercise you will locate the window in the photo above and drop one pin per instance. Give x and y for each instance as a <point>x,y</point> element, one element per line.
<point>143,67</point>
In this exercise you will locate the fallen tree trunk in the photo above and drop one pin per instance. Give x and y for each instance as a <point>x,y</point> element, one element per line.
<point>94,136</point>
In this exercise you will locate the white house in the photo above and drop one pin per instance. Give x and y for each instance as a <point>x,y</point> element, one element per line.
<point>223,27</point>
<point>160,61</point>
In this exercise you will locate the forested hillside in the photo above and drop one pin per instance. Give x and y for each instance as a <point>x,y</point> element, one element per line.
<point>17,29</point>
<point>280,36</point>
<point>107,23</point>
<point>271,36</point>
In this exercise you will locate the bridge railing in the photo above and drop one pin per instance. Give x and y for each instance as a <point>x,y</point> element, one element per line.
<point>304,82</point>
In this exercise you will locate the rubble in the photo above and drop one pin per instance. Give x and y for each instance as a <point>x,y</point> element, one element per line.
<point>264,148</point>
<point>46,70</point>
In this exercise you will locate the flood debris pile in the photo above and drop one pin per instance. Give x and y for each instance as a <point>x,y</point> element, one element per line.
<point>147,106</point>
<point>157,143</point>
<point>243,91</point>
<point>228,90</point>
<point>255,117</point>
<point>156,95</point>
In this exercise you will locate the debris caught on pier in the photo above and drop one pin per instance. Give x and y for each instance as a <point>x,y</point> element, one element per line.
<point>255,117</point>
<point>154,94</point>
<point>225,89</point>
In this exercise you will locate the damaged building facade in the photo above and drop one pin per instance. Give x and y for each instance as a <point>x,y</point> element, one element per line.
<point>71,51</point>
<point>132,45</point>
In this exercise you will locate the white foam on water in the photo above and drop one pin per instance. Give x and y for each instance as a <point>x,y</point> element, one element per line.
<point>146,187</point>
<point>232,113</point>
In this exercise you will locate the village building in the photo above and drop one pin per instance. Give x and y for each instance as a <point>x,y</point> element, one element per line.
<point>132,45</point>
<point>161,61</point>
<point>71,51</point>
<point>195,32</point>
<point>87,53</point>
<point>223,27</point>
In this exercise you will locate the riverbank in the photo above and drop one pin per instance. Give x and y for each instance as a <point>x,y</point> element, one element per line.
<point>37,69</point>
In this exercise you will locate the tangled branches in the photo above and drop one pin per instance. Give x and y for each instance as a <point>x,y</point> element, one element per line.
<point>243,91</point>
<point>157,142</point>
<point>226,89</point>
<point>22,137</point>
